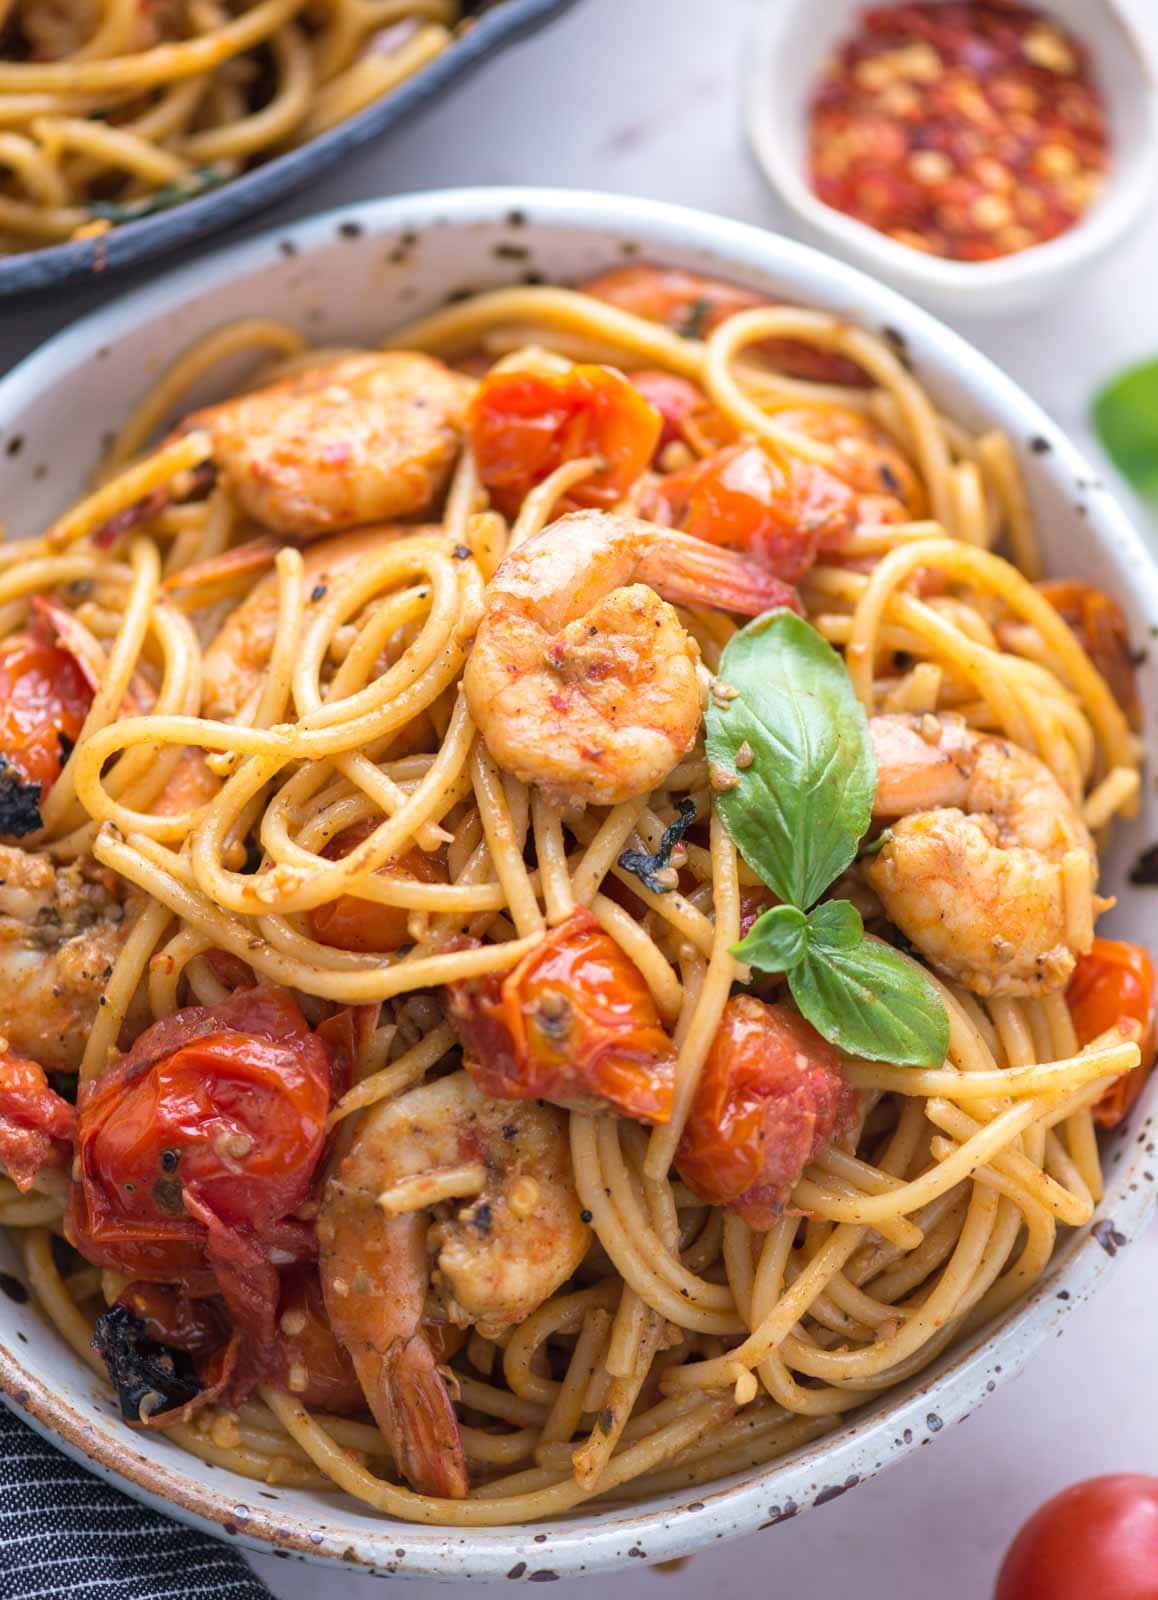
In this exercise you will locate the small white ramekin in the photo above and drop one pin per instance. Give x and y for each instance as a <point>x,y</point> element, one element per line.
<point>792,42</point>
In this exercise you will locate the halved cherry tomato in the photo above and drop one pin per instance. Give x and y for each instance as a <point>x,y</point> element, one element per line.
<point>673,397</point>
<point>740,497</point>
<point>523,425</point>
<point>44,699</point>
<point>770,1096</point>
<point>694,306</point>
<point>1116,981</point>
<point>1097,1540</point>
<point>574,1022</point>
<point>194,1150</point>
<point>36,1124</point>
<point>349,923</point>
<point>1100,624</point>
<point>310,1354</point>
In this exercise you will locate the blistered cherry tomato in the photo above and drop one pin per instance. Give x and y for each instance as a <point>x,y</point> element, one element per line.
<point>770,1096</point>
<point>574,1022</point>
<point>313,1366</point>
<point>36,1124</point>
<point>1115,982</point>
<point>1097,1540</point>
<point>195,1148</point>
<point>44,699</point>
<point>523,425</point>
<point>673,397</point>
<point>740,497</point>
<point>694,306</point>
<point>1100,624</point>
<point>349,923</point>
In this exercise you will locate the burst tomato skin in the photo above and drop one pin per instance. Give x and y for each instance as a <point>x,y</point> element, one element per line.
<point>193,1151</point>
<point>673,397</point>
<point>1116,981</point>
<point>574,1022</point>
<point>1100,624</point>
<point>36,1124</point>
<point>366,926</point>
<point>1097,1538</point>
<point>739,497</point>
<point>769,1097</point>
<point>206,1128</point>
<point>44,697</point>
<point>523,425</point>
<point>308,1346</point>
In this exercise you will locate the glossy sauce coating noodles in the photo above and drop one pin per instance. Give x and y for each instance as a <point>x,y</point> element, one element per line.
<point>431,1140</point>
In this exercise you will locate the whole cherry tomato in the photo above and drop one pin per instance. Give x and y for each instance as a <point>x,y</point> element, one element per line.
<point>1097,1540</point>
<point>44,699</point>
<point>1100,624</point>
<point>194,1150</point>
<point>694,306</point>
<point>574,1022</point>
<point>36,1124</point>
<point>770,1096</point>
<point>1116,980</point>
<point>349,923</point>
<point>523,425</point>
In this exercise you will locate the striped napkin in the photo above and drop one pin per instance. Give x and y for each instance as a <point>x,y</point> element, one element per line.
<point>64,1532</point>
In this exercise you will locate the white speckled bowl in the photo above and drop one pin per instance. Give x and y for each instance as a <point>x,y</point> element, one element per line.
<point>349,276</point>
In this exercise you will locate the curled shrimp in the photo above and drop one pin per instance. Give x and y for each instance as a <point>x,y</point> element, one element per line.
<point>362,439</point>
<point>582,680</point>
<point>402,1253</point>
<point>974,871</point>
<point>61,929</point>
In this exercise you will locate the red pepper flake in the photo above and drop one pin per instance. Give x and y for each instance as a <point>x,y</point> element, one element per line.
<point>971,129</point>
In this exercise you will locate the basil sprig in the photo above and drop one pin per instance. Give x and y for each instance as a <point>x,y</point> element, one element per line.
<point>793,747</point>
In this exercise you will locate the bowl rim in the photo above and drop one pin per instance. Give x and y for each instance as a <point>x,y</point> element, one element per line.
<point>835,1463</point>
<point>1120,208</point>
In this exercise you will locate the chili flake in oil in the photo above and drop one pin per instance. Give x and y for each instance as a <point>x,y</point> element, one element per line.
<point>968,130</point>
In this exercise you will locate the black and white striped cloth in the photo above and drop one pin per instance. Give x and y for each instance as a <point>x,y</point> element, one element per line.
<point>64,1532</point>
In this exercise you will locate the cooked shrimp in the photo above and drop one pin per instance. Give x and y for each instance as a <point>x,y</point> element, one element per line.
<point>239,654</point>
<point>363,439</point>
<point>61,929</point>
<point>973,872</point>
<point>582,680</point>
<point>887,489</point>
<point>397,1251</point>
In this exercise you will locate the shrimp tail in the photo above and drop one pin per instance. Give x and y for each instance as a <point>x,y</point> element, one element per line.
<point>691,572</point>
<point>412,1405</point>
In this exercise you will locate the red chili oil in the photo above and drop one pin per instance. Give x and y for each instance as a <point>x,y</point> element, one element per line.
<point>970,130</point>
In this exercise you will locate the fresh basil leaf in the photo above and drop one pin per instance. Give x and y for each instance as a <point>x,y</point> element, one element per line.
<point>835,925</point>
<point>807,779</point>
<point>776,942</point>
<point>1126,418</point>
<point>869,1001</point>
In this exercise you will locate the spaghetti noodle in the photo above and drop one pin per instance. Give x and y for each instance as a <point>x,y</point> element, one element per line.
<point>111,110</point>
<point>333,803</point>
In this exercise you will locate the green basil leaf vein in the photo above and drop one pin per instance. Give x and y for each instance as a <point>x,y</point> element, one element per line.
<point>869,1001</point>
<point>776,942</point>
<point>805,797</point>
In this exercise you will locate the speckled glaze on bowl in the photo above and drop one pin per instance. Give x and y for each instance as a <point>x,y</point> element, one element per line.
<point>349,276</point>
